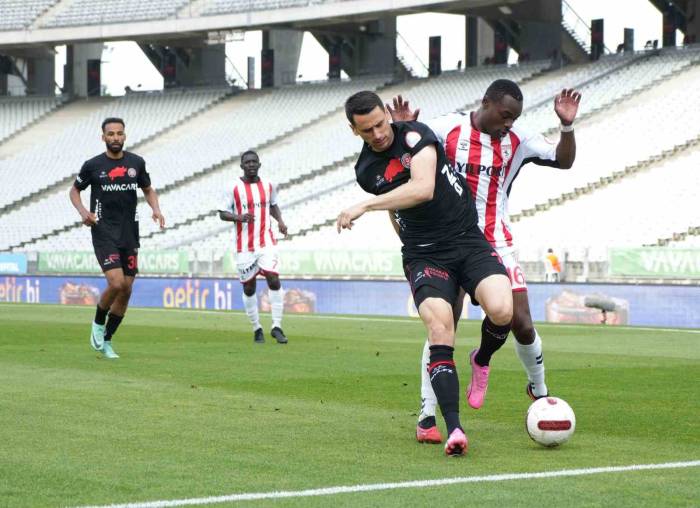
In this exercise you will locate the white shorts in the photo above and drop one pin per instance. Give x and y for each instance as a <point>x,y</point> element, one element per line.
<point>509,257</point>
<point>263,261</point>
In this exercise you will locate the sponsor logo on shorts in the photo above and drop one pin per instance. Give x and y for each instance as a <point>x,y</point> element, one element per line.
<point>435,272</point>
<point>111,259</point>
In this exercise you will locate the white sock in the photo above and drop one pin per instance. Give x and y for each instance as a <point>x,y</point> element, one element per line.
<point>276,307</point>
<point>531,357</point>
<point>251,310</point>
<point>428,398</point>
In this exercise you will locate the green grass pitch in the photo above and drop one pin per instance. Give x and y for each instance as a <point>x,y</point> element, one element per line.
<point>193,408</point>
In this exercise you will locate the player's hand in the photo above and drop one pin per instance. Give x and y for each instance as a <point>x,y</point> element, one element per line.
<point>282,227</point>
<point>159,219</point>
<point>245,217</point>
<point>347,217</point>
<point>89,219</point>
<point>401,112</point>
<point>566,105</point>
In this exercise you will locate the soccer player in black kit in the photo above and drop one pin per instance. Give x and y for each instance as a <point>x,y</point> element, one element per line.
<point>405,166</point>
<point>113,177</point>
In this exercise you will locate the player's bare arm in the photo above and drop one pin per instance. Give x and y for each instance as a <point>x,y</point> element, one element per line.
<point>419,189</point>
<point>152,199</point>
<point>566,107</point>
<point>277,214</point>
<point>234,217</point>
<point>86,216</point>
<point>401,112</point>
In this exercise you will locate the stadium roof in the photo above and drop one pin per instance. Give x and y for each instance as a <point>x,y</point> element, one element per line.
<point>198,27</point>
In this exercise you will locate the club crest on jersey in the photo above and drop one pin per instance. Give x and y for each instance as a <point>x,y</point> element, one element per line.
<point>406,160</point>
<point>412,138</point>
<point>131,172</point>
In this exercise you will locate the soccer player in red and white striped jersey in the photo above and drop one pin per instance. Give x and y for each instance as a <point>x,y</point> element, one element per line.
<point>252,204</point>
<point>489,150</point>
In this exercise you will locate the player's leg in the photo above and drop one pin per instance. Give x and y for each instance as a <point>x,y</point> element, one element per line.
<point>269,266</point>
<point>121,286</point>
<point>528,346</point>
<point>247,264</point>
<point>494,295</point>
<point>427,431</point>
<point>117,311</point>
<point>108,257</point>
<point>436,314</point>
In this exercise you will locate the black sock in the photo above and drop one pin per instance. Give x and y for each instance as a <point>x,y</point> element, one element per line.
<point>427,422</point>
<point>443,378</point>
<point>100,315</point>
<point>492,338</point>
<point>112,325</point>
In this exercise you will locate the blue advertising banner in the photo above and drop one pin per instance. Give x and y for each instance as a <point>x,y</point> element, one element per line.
<point>13,264</point>
<point>641,305</point>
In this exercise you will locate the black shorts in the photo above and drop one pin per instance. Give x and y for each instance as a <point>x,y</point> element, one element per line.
<point>110,257</point>
<point>441,272</point>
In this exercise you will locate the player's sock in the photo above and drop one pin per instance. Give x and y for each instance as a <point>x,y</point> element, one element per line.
<point>112,324</point>
<point>276,307</point>
<point>427,394</point>
<point>443,377</point>
<point>251,309</point>
<point>100,315</point>
<point>531,357</point>
<point>492,338</point>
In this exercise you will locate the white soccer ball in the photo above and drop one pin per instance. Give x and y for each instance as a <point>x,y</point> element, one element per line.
<point>550,421</point>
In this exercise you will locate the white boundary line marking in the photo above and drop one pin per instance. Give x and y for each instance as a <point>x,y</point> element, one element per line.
<point>330,491</point>
<point>406,319</point>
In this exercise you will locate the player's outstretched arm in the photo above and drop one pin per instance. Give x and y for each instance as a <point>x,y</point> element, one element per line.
<point>419,189</point>
<point>152,200</point>
<point>566,107</point>
<point>277,214</point>
<point>401,112</point>
<point>86,216</point>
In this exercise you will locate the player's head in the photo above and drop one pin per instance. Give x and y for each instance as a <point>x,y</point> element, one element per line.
<point>250,164</point>
<point>500,108</point>
<point>113,134</point>
<point>370,120</point>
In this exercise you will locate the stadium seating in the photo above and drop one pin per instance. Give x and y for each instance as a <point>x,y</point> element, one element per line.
<point>232,6</point>
<point>19,14</point>
<point>18,112</point>
<point>93,12</point>
<point>55,159</point>
<point>309,151</point>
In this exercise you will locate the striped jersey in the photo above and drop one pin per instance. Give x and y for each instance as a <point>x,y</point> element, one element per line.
<point>255,198</point>
<point>490,165</point>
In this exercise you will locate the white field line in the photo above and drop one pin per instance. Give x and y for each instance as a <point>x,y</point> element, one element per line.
<point>330,491</point>
<point>364,318</point>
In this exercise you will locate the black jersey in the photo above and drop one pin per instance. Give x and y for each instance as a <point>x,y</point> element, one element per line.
<point>113,184</point>
<point>442,220</point>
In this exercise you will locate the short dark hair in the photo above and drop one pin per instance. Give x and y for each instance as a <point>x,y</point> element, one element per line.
<point>112,119</point>
<point>361,103</point>
<point>502,87</point>
<point>250,152</point>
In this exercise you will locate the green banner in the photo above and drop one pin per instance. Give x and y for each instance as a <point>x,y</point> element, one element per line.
<point>153,261</point>
<point>656,262</point>
<point>332,262</point>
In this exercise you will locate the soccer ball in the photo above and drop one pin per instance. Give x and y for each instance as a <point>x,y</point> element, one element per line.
<point>550,421</point>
